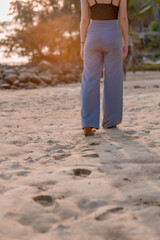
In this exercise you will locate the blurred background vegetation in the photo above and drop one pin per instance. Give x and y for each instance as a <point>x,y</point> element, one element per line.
<point>49,30</point>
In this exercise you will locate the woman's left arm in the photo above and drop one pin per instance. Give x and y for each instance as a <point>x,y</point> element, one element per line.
<point>84,23</point>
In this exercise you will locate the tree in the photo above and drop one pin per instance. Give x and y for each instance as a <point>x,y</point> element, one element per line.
<point>44,30</point>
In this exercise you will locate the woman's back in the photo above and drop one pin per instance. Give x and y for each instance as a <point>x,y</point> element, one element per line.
<point>104,9</point>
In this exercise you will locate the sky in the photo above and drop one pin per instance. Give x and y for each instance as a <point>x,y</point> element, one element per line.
<point>4,7</point>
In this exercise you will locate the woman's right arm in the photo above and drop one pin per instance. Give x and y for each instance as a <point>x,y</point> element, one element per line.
<point>123,21</point>
<point>85,21</point>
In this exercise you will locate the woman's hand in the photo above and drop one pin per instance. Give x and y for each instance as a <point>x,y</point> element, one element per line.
<point>125,50</point>
<point>82,51</point>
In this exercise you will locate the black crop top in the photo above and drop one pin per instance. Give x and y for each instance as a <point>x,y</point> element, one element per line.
<point>104,11</point>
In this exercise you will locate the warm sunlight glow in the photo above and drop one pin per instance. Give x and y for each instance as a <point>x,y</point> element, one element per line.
<point>60,2</point>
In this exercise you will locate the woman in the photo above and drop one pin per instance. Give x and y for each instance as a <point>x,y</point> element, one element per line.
<point>104,41</point>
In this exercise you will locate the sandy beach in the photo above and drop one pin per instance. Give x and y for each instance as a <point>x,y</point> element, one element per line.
<point>57,184</point>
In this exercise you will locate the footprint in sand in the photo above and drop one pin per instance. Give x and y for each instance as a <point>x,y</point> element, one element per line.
<point>147,202</point>
<point>40,187</point>
<point>93,155</point>
<point>107,150</point>
<point>4,159</point>
<point>152,144</point>
<point>87,149</point>
<point>52,141</point>
<point>5,176</point>
<point>130,131</point>
<point>103,216</point>
<point>118,167</point>
<point>129,134</point>
<point>29,160</point>
<point>56,147</point>
<point>42,157</point>
<point>22,173</point>
<point>44,200</point>
<point>101,170</point>
<point>127,179</point>
<point>94,143</point>
<point>18,143</point>
<point>49,182</point>
<point>15,165</point>
<point>152,203</point>
<point>61,227</point>
<point>61,156</point>
<point>82,172</point>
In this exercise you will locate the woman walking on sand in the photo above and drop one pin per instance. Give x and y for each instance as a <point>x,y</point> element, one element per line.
<point>104,40</point>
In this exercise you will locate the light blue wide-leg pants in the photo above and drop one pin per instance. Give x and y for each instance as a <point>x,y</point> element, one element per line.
<point>103,47</point>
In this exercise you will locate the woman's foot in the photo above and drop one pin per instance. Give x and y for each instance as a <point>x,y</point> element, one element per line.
<point>88,131</point>
<point>113,126</point>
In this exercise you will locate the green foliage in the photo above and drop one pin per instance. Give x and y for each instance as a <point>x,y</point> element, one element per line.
<point>153,26</point>
<point>146,67</point>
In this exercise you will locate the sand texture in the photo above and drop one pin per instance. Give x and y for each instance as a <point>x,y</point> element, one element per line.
<point>57,184</point>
